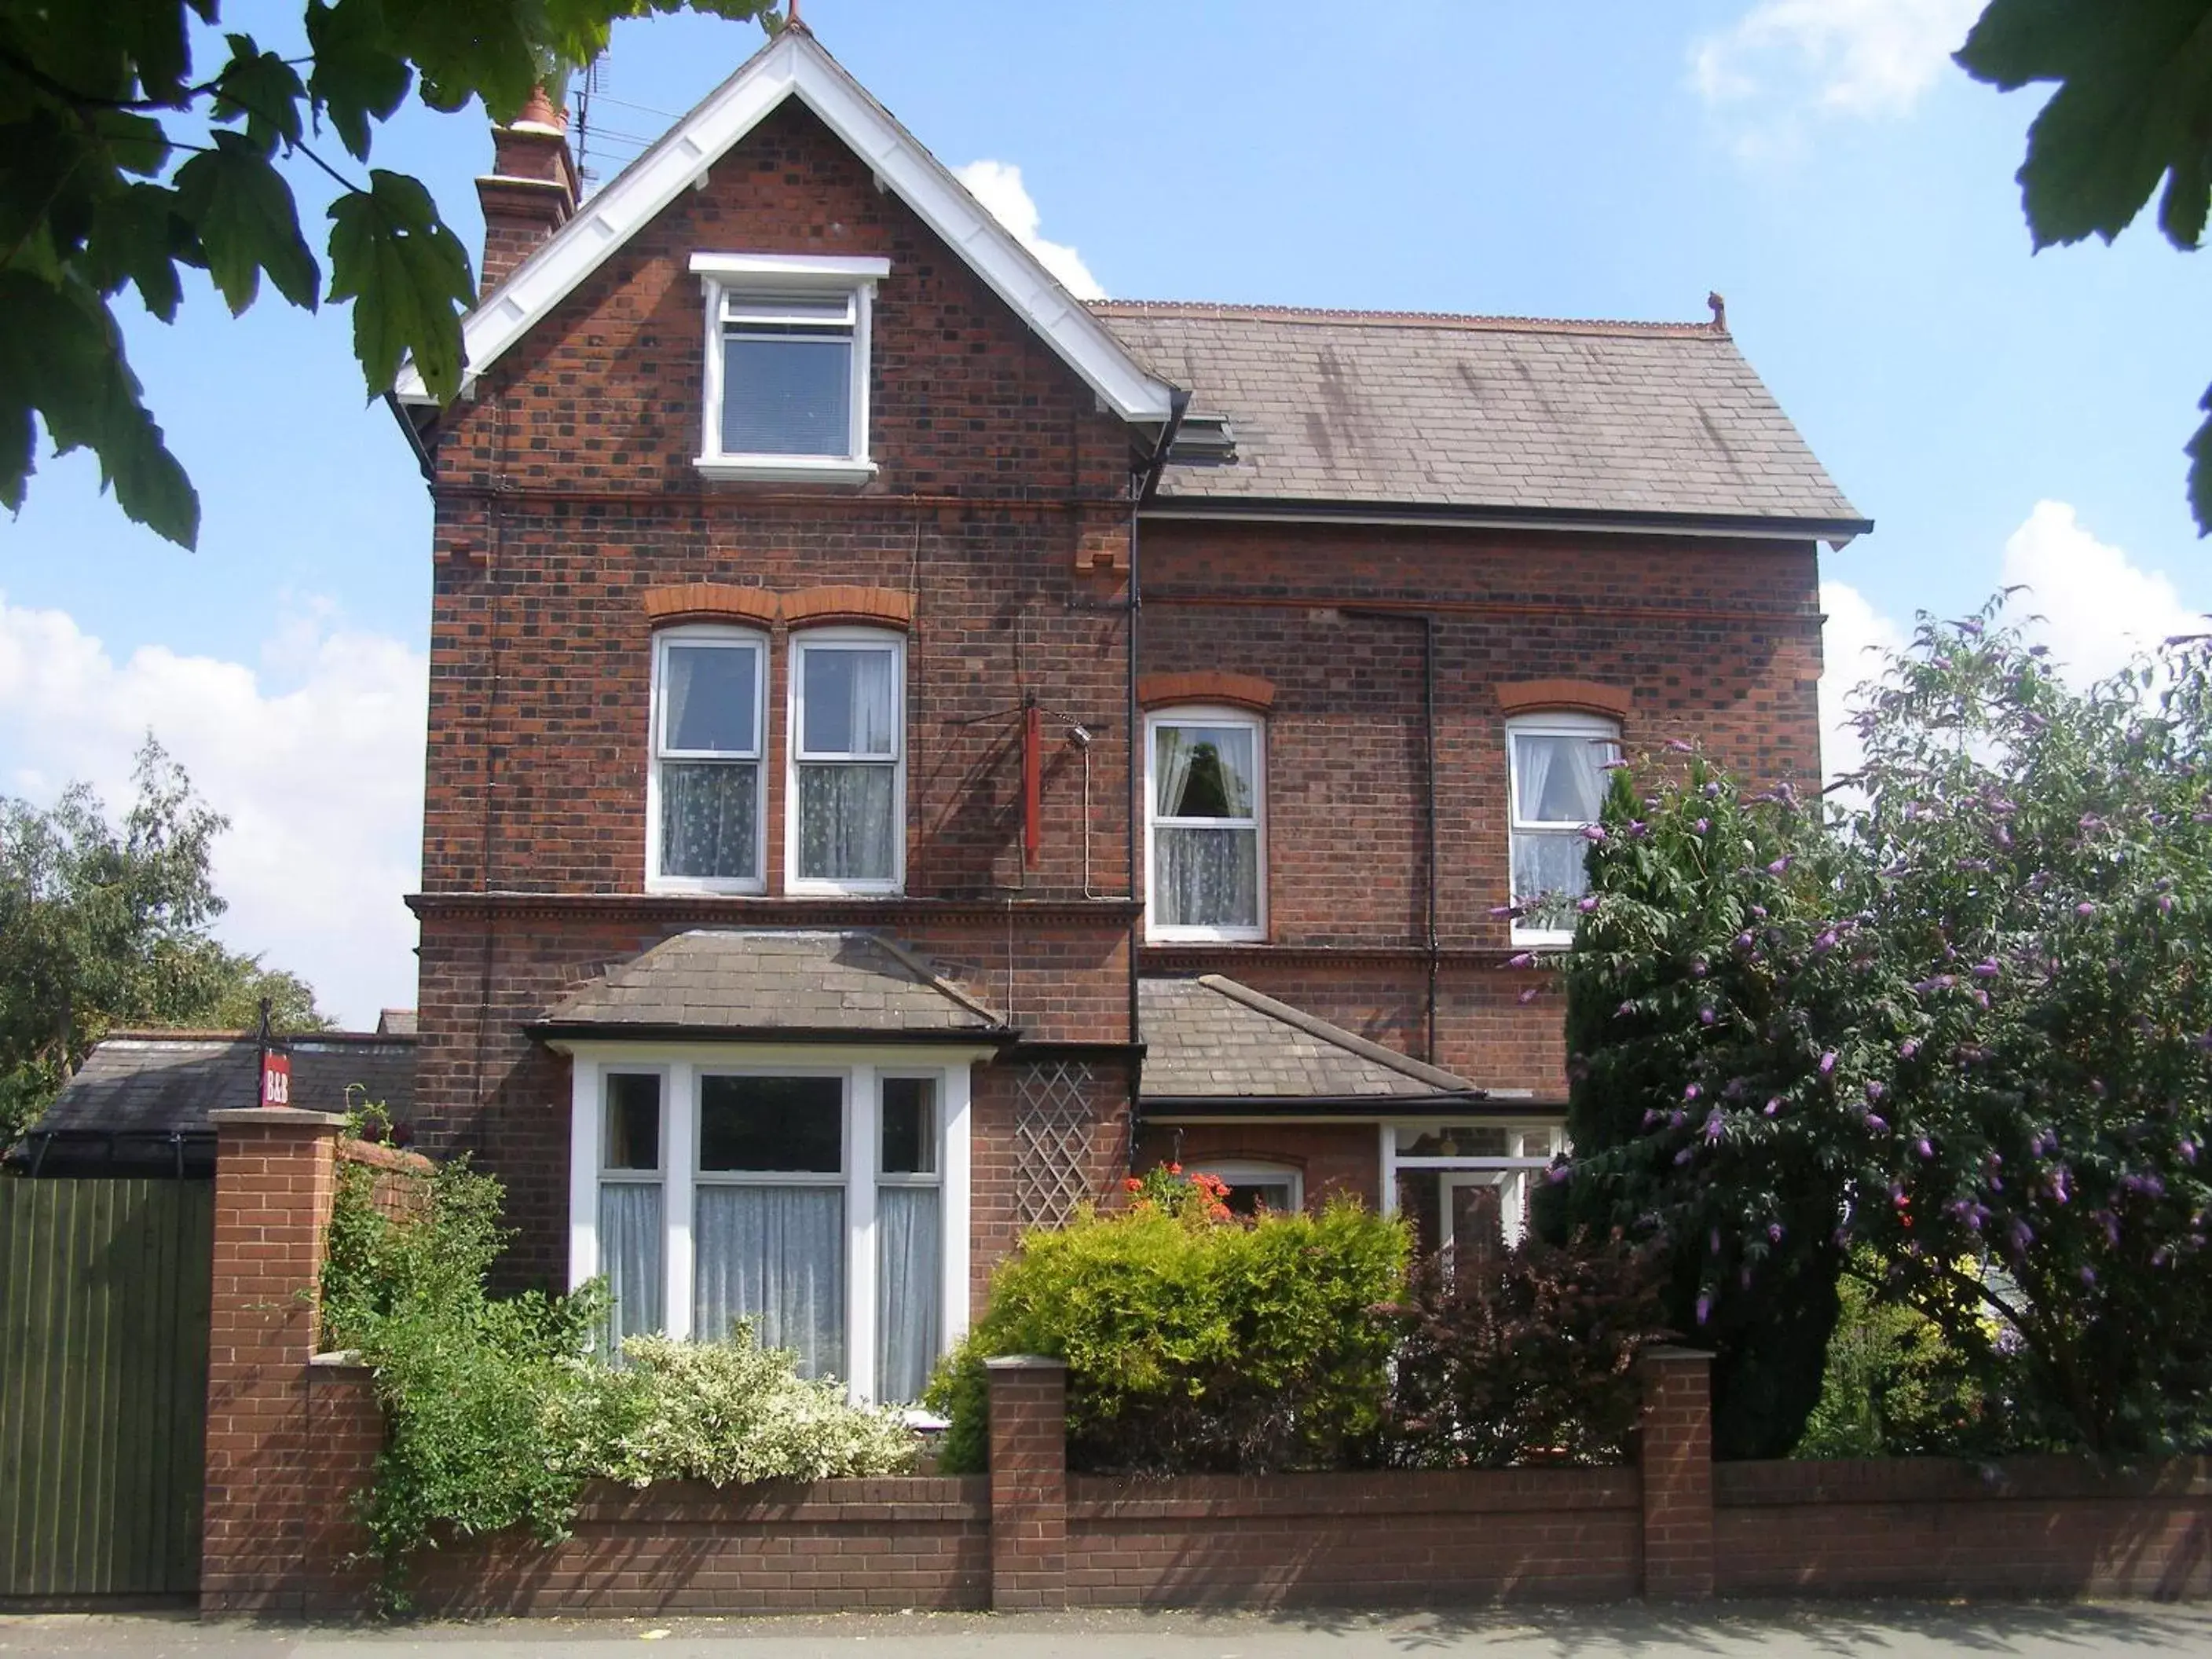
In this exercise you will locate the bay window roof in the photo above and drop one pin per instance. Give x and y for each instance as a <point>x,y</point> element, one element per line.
<point>774,984</point>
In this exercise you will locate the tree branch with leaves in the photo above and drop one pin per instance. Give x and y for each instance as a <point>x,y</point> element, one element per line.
<point>124,168</point>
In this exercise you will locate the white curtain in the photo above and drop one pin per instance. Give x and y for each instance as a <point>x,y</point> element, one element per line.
<point>847,822</point>
<point>1206,878</point>
<point>630,1256</point>
<point>775,1255</point>
<point>1561,778</point>
<point>1532,772</point>
<point>709,818</point>
<point>908,1290</point>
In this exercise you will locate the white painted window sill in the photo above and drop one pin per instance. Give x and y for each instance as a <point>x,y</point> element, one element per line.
<point>784,469</point>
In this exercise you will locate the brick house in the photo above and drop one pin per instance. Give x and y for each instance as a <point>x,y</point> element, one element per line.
<point>907,747</point>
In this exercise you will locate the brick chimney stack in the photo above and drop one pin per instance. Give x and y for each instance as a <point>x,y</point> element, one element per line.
<point>530,191</point>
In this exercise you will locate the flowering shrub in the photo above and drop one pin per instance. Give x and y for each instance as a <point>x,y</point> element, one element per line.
<point>1195,1341</point>
<point>725,1412</point>
<point>1964,1024</point>
<point>497,1411</point>
<point>1525,1356</point>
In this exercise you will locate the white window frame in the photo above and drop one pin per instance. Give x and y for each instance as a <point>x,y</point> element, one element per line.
<point>1206,715</point>
<point>734,276</point>
<point>860,1067</point>
<point>1515,1171</point>
<point>1549,723</point>
<point>832,638</point>
<point>713,633</point>
<point>1255,1172</point>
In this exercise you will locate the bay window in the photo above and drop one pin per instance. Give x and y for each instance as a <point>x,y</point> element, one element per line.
<point>847,772</point>
<point>1204,810</point>
<point>1557,776</point>
<point>704,784</point>
<point>824,1198</point>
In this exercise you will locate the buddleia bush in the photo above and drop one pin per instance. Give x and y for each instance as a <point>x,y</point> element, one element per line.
<point>1965,1023</point>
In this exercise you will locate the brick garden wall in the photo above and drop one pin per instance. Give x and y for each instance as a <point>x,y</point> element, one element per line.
<point>293,1439</point>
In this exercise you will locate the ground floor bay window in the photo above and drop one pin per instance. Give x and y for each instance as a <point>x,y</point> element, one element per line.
<point>822,1195</point>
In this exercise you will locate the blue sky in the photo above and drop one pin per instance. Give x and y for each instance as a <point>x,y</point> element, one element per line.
<point>1818,161</point>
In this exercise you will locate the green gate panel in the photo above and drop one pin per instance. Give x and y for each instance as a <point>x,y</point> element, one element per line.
<point>104,1306</point>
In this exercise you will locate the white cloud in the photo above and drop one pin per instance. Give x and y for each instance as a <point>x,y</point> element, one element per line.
<point>322,781</point>
<point>1858,57</point>
<point>998,185</point>
<point>1851,647</point>
<point>2087,600</point>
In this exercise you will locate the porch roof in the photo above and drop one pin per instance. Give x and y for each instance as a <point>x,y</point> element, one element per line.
<point>137,1083</point>
<point>772,984</point>
<point>1211,1039</point>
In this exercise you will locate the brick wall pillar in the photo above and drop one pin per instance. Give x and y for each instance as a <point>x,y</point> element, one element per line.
<point>1675,1456</point>
<point>1029,1483</point>
<point>269,1504</point>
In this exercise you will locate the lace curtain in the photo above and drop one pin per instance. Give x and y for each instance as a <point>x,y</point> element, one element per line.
<point>775,1255</point>
<point>629,1256</point>
<point>1206,878</point>
<point>908,1288</point>
<point>845,822</point>
<point>709,818</point>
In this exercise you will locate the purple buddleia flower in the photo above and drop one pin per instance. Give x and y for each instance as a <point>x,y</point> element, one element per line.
<point>1774,1232</point>
<point>1773,1106</point>
<point>1705,1016</point>
<point>1523,959</point>
<point>1712,792</point>
<point>1692,1091</point>
<point>1827,1062</point>
<point>1592,832</point>
<point>2088,1275</point>
<point>1705,1306</point>
<point>1712,1129</point>
<point>1680,747</point>
<point>1924,1146</point>
<point>1504,910</point>
<point>1759,911</point>
<point>1988,967</point>
<point>1559,1173</point>
<point>1874,1091</point>
<point>1697,968</point>
<point>1824,943</point>
<point>1702,825</point>
<point>2188,1151</point>
<point>1744,941</point>
<point>1624,1010</point>
<point>1530,994</point>
<point>2022,1236</point>
<point>1780,865</point>
<point>2166,904</point>
<point>1685,1155</point>
<point>1909,1047</point>
<point>1676,1120</point>
<point>1877,1125</point>
<point>2085,908</point>
<point>1587,903</point>
<point>1652,1117</point>
<point>2059,1184</point>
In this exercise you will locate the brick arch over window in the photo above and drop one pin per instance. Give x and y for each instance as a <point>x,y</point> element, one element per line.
<point>1206,686</point>
<point>1583,696</point>
<point>870,607</point>
<point>710,602</point>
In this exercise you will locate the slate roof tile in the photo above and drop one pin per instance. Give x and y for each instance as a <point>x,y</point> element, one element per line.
<point>1466,413</point>
<point>1210,1037</point>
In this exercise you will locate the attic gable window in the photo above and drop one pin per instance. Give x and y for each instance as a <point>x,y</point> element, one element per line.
<point>786,380</point>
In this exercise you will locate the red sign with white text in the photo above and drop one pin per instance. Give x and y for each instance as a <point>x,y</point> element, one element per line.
<point>277,1080</point>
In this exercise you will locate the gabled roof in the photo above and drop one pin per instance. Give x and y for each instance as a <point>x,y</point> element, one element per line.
<point>795,65</point>
<point>772,983</point>
<point>164,1082</point>
<point>1211,1038</point>
<point>1567,423</point>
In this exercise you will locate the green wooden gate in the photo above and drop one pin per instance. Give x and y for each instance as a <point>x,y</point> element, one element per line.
<point>104,1290</point>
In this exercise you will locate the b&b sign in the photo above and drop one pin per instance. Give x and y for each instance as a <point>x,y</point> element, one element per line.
<point>277,1080</point>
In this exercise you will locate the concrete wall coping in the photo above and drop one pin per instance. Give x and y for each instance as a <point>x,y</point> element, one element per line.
<point>277,1117</point>
<point>1024,1362</point>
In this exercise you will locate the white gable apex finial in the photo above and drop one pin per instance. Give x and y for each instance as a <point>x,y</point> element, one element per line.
<point>795,65</point>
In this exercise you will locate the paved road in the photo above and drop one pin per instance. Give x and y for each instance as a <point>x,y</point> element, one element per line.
<point>1887,1631</point>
